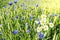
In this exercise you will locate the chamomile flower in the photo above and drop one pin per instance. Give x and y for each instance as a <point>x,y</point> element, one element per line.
<point>51,24</point>
<point>45,27</point>
<point>43,21</point>
<point>39,29</point>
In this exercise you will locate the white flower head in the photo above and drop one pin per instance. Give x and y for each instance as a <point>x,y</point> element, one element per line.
<point>51,24</point>
<point>43,21</point>
<point>39,29</point>
<point>45,27</point>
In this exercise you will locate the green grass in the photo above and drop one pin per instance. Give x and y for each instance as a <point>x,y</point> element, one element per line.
<point>10,23</point>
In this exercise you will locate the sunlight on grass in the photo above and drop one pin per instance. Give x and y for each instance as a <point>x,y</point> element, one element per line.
<point>50,5</point>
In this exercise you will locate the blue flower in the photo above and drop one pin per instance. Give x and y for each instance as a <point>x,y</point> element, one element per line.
<point>28,31</point>
<point>31,18</point>
<point>22,4</point>
<point>55,14</point>
<point>36,5</point>
<point>25,8</point>
<point>16,16</point>
<point>15,32</point>
<point>40,35</point>
<point>22,18</point>
<point>39,22</point>
<point>15,1</point>
<point>10,3</point>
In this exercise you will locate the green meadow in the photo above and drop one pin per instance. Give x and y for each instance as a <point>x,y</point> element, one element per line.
<point>29,20</point>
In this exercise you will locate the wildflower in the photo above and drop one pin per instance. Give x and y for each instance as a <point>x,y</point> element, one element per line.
<point>45,27</point>
<point>28,31</point>
<point>31,17</point>
<point>55,14</point>
<point>15,1</point>
<point>25,8</point>
<point>15,32</point>
<point>16,16</point>
<point>22,4</point>
<point>51,24</point>
<point>41,35</point>
<point>39,29</point>
<point>43,21</point>
<point>22,18</point>
<point>36,5</point>
<point>10,3</point>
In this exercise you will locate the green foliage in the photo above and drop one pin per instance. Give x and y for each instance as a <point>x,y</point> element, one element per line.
<point>27,17</point>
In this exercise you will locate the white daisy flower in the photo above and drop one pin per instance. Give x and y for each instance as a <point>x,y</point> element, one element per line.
<point>39,29</point>
<point>45,27</point>
<point>51,24</point>
<point>43,21</point>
